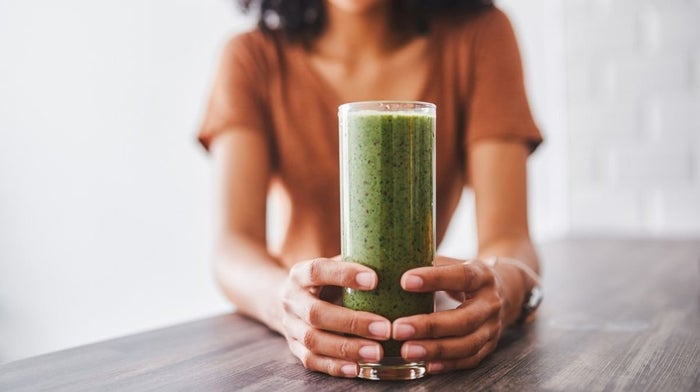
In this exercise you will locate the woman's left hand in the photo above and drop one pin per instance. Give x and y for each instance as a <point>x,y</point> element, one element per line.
<point>459,338</point>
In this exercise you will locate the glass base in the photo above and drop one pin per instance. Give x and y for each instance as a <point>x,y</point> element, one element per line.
<point>393,368</point>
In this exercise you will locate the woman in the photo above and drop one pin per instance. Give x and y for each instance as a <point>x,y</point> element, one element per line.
<point>272,119</point>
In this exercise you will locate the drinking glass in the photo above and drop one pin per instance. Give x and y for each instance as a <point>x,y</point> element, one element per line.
<point>387,188</point>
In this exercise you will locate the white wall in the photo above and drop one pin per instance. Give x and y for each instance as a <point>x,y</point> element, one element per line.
<point>104,194</point>
<point>634,116</point>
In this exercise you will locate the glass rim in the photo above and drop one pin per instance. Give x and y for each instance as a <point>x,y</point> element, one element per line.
<point>388,106</point>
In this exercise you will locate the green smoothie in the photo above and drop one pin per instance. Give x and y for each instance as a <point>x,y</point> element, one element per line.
<point>387,207</point>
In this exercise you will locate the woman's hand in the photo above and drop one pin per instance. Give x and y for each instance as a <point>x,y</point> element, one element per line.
<point>458,338</point>
<point>315,328</point>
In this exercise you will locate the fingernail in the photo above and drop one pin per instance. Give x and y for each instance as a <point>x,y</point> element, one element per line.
<point>370,353</point>
<point>380,329</point>
<point>414,351</point>
<point>435,367</point>
<point>403,331</point>
<point>349,370</point>
<point>365,279</point>
<point>412,282</point>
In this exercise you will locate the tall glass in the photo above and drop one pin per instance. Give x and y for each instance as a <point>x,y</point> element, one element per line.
<point>387,188</point>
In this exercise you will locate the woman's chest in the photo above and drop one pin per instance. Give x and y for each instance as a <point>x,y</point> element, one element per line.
<point>402,75</point>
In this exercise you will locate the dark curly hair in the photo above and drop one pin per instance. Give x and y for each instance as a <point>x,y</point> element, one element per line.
<point>305,19</point>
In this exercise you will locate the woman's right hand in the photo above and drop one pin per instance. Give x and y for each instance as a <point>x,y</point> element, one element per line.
<point>316,329</point>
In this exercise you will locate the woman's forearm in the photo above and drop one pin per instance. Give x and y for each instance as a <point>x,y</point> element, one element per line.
<point>250,278</point>
<point>515,282</point>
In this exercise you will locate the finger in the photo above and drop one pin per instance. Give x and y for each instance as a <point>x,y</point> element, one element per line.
<point>331,345</point>
<point>456,322</point>
<point>329,317</point>
<point>323,364</point>
<point>465,277</point>
<point>450,348</point>
<point>331,272</point>
<point>436,367</point>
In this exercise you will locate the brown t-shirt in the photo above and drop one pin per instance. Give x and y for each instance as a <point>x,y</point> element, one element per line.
<point>266,85</point>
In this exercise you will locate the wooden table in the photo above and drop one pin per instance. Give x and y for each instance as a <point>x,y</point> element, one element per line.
<point>618,315</point>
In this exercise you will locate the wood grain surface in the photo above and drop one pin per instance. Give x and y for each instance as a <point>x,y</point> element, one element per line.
<point>617,315</point>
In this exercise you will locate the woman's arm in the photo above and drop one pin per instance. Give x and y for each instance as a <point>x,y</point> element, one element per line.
<point>242,264</point>
<point>498,173</point>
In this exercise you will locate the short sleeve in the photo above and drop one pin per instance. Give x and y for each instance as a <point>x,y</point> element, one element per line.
<point>237,97</point>
<point>497,104</point>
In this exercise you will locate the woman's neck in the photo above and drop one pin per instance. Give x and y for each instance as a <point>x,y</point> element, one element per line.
<point>352,36</point>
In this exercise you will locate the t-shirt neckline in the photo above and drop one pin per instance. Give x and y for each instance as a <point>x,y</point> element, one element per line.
<point>323,87</point>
